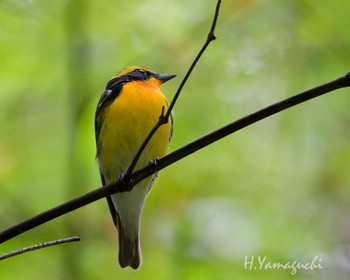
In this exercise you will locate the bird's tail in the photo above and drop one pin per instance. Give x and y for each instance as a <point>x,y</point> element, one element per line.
<point>129,249</point>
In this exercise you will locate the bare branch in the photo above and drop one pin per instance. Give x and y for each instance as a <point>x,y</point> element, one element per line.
<point>216,135</point>
<point>163,119</point>
<point>39,246</point>
<point>167,160</point>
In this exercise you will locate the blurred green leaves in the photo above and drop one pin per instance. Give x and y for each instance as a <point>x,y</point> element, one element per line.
<point>279,188</point>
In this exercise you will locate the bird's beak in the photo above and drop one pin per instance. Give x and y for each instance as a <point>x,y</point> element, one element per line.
<point>165,77</point>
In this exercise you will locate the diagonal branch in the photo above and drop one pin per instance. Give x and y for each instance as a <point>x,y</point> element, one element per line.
<point>39,246</point>
<point>211,37</point>
<point>341,82</point>
<point>163,119</point>
<point>167,160</point>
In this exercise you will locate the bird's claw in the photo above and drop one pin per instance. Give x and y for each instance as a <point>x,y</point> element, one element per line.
<point>122,181</point>
<point>154,165</point>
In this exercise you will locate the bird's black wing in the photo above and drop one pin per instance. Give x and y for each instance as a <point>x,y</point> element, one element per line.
<point>112,91</point>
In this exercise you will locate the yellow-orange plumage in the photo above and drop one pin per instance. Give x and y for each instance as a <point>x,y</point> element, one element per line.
<point>133,114</point>
<point>127,111</point>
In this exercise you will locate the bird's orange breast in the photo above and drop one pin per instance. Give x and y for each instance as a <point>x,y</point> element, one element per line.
<point>127,122</point>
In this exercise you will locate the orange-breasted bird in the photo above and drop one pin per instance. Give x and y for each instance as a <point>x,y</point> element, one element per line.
<point>128,109</point>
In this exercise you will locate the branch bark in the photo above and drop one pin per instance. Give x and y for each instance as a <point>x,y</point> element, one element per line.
<point>163,119</point>
<point>167,160</point>
<point>39,246</point>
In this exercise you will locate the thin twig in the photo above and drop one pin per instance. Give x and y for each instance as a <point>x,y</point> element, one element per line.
<point>163,119</point>
<point>211,37</point>
<point>167,160</point>
<point>39,246</point>
<point>57,211</point>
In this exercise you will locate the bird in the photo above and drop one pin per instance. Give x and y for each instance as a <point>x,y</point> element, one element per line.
<point>127,110</point>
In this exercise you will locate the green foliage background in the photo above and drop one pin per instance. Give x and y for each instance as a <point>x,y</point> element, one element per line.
<point>279,188</point>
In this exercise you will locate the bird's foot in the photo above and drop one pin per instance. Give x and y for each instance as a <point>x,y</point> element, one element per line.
<point>122,181</point>
<point>154,165</point>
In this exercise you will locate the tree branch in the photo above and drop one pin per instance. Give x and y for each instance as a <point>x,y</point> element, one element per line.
<point>216,135</point>
<point>163,119</point>
<point>167,160</point>
<point>39,246</point>
<point>128,181</point>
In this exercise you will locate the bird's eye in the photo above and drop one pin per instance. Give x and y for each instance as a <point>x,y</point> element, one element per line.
<point>143,72</point>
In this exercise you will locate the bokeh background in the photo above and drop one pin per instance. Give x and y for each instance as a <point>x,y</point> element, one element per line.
<point>278,189</point>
